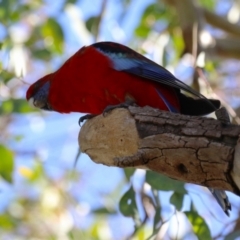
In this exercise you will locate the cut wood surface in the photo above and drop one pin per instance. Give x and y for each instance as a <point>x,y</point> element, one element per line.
<point>193,149</point>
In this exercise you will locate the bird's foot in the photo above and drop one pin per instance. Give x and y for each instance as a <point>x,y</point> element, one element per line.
<point>120,105</point>
<point>85,117</point>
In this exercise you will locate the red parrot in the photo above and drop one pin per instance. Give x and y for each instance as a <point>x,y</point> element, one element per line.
<point>107,73</point>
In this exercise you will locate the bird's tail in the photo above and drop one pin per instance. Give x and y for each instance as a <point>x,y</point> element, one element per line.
<point>222,199</point>
<point>197,107</point>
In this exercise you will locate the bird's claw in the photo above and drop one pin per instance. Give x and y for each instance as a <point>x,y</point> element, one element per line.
<point>120,105</point>
<point>85,117</point>
<point>107,110</point>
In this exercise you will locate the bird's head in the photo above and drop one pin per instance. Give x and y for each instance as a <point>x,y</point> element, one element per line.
<point>37,93</point>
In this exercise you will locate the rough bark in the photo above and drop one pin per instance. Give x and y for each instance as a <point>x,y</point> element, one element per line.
<point>192,149</point>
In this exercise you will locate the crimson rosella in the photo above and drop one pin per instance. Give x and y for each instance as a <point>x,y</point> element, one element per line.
<point>107,73</point>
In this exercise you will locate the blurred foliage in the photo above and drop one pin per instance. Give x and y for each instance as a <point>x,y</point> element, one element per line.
<point>160,182</point>
<point>15,106</point>
<point>50,213</point>
<point>209,4</point>
<point>200,227</point>
<point>7,161</point>
<point>156,18</point>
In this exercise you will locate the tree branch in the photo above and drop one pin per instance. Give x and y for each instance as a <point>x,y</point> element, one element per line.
<point>191,15</point>
<point>227,47</point>
<point>192,149</point>
<point>221,22</point>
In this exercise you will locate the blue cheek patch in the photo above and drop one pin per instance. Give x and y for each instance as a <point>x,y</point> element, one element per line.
<point>42,93</point>
<point>41,96</point>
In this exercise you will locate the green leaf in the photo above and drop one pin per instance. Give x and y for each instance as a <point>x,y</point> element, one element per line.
<point>164,183</point>
<point>52,31</point>
<point>127,204</point>
<point>142,31</point>
<point>71,1</point>
<point>37,172</point>
<point>153,15</point>
<point>11,11</point>
<point>177,200</point>
<point>42,54</point>
<point>199,226</point>
<point>129,172</point>
<point>178,43</point>
<point>209,4</point>
<point>6,76</point>
<point>92,25</point>
<point>76,233</point>
<point>7,222</point>
<point>157,219</point>
<point>104,210</point>
<point>4,11</point>
<point>15,106</point>
<point>6,163</point>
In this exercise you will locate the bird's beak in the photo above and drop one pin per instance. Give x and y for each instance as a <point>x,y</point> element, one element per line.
<point>31,102</point>
<point>36,103</point>
<point>39,104</point>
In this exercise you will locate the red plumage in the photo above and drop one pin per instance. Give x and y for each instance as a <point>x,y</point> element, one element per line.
<point>87,83</point>
<point>107,73</point>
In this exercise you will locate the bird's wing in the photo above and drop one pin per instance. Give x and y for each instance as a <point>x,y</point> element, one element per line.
<point>127,60</point>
